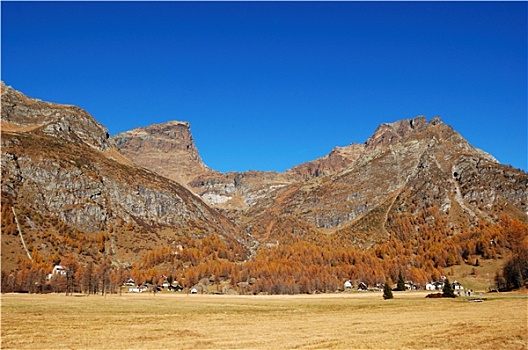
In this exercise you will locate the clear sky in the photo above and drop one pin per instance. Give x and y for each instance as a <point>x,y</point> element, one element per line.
<point>269,85</point>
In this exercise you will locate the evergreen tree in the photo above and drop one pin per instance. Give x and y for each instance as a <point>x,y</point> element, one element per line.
<point>447,291</point>
<point>401,283</point>
<point>387,291</point>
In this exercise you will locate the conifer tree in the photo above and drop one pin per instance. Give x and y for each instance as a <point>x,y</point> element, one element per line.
<point>401,283</point>
<point>447,291</point>
<point>387,291</point>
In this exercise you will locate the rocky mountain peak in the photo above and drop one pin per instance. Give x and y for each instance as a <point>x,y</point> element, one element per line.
<point>388,133</point>
<point>166,137</point>
<point>166,148</point>
<point>71,123</point>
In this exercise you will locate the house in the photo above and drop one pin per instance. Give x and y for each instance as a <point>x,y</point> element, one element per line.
<point>57,270</point>
<point>194,291</point>
<point>409,285</point>
<point>348,285</point>
<point>457,287</point>
<point>176,288</point>
<point>130,282</point>
<point>434,285</point>
<point>362,286</point>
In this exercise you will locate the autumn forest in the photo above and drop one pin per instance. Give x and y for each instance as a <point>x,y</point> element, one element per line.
<point>421,248</point>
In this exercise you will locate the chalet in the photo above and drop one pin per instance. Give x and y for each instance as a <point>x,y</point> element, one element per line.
<point>409,285</point>
<point>348,285</point>
<point>434,285</point>
<point>57,270</point>
<point>175,288</point>
<point>457,287</point>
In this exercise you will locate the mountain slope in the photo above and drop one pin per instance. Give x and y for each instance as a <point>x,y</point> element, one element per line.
<point>405,168</point>
<point>58,164</point>
<point>360,190</point>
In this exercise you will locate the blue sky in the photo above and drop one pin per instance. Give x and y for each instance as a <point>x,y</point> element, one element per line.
<point>269,85</point>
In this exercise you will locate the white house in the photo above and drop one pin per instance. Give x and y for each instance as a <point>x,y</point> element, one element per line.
<point>430,286</point>
<point>348,285</point>
<point>57,270</point>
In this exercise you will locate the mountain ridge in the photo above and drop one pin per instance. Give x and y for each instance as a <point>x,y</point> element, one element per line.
<point>415,188</point>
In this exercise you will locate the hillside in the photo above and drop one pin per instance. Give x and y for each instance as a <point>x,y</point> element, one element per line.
<point>63,177</point>
<point>405,168</point>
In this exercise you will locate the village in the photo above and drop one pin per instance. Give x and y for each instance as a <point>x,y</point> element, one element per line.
<point>205,285</point>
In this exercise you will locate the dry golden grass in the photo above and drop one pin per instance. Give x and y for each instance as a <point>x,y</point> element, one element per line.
<point>476,277</point>
<point>335,321</point>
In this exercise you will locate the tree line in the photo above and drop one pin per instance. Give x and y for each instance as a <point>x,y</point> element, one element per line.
<point>299,264</point>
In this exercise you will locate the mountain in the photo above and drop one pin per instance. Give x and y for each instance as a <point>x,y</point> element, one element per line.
<point>59,165</point>
<point>403,169</point>
<point>69,123</point>
<point>169,150</point>
<point>361,189</point>
<point>414,197</point>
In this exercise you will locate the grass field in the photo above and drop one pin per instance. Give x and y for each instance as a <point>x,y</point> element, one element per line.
<point>333,321</point>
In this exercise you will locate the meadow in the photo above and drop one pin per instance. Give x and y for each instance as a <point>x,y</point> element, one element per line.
<point>324,321</point>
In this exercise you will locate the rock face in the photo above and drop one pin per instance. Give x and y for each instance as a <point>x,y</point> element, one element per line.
<point>53,165</point>
<point>234,193</point>
<point>338,159</point>
<point>67,122</point>
<point>167,149</point>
